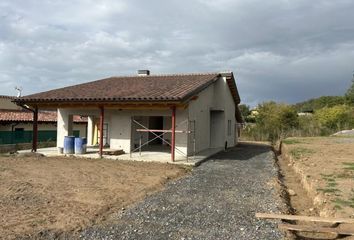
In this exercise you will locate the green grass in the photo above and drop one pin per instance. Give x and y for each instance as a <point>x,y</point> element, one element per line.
<point>345,175</point>
<point>342,202</point>
<point>300,152</point>
<point>328,190</point>
<point>338,207</point>
<point>348,165</point>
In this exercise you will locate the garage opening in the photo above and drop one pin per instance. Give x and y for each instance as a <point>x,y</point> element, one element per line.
<point>217,128</point>
<point>145,140</point>
<point>155,122</point>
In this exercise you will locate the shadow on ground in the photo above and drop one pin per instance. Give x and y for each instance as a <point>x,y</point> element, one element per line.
<point>243,151</point>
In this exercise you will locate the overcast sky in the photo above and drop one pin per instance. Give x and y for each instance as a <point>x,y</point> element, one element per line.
<point>285,50</point>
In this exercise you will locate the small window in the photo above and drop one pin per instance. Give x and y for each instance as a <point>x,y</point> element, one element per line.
<point>228,127</point>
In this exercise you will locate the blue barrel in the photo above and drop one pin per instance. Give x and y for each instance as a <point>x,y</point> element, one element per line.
<point>84,144</point>
<point>69,144</point>
<point>80,146</point>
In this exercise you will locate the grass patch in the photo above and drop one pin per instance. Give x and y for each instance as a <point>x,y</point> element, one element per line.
<point>346,174</point>
<point>332,184</point>
<point>291,141</point>
<point>348,165</point>
<point>338,207</point>
<point>342,202</point>
<point>328,190</point>
<point>300,152</point>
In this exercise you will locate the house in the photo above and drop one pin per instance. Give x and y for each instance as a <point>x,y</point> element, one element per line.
<point>186,113</point>
<point>16,124</point>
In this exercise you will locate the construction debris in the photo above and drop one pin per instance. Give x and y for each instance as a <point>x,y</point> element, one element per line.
<point>339,227</point>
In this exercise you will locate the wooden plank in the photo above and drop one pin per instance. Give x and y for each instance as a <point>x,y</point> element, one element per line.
<point>113,152</point>
<point>316,229</point>
<point>161,130</point>
<point>304,218</point>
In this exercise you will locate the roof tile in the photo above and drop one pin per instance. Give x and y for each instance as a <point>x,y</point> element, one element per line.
<point>27,116</point>
<point>134,88</point>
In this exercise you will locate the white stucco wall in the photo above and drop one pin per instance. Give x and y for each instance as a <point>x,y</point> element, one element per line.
<point>215,97</point>
<point>122,129</point>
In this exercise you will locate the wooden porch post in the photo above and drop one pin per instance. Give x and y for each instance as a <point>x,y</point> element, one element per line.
<point>35,130</point>
<point>101,130</point>
<point>173,134</point>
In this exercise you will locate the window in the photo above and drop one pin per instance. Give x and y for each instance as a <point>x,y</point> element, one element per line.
<point>228,127</point>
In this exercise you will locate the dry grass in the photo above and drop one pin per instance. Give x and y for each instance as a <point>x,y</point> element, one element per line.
<point>66,194</point>
<point>326,167</point>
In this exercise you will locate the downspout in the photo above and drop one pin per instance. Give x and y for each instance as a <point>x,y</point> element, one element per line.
<point>35,125</point>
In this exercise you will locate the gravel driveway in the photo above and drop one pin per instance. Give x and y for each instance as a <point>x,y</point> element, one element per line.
<point>217,201</point>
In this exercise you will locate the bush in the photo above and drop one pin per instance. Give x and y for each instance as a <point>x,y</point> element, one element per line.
<point>278,121</point>
<point>336,118</point>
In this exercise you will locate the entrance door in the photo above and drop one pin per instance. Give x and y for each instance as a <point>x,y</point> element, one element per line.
<point>217,129</point>
<point>155,122</point>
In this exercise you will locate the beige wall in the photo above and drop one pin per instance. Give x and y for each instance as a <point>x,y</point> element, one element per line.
<point>216,97</point>
<point>5,103</point>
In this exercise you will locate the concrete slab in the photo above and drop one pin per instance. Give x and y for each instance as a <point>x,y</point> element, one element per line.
<point>145,156</point>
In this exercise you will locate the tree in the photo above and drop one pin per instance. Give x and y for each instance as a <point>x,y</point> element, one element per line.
<point>276,120</point>
<point>349,95</point>
<point>245,110</point>
<point>336,118</point>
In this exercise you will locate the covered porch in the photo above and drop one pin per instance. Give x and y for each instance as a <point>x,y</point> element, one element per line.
<point>138,130</point>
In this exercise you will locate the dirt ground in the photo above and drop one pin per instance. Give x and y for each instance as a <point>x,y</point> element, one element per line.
<point>40,194</point>
<point>319,176</point>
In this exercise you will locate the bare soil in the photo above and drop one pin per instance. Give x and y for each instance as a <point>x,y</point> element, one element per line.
<point>39,194</point>
<point>319,174</point>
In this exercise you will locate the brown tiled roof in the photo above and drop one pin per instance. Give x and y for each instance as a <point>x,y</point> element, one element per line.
<point>7,97</point>
<point>27,116</point>
<point>151,88</point>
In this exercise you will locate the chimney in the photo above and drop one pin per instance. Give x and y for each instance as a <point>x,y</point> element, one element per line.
<point>143,72</point>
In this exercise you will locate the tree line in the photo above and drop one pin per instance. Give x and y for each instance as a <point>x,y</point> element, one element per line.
<point>271,121</point>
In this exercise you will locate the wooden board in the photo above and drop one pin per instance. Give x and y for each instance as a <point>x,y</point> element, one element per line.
<point>304,218</point>
<point>113,152</point>
<point>317,229</point>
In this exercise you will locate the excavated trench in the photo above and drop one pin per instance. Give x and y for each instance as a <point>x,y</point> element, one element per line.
<point>296,198</point>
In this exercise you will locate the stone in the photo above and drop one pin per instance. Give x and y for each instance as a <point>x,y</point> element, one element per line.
<point>291,192</point>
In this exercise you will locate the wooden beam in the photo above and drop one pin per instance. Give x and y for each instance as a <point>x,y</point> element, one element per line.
<point>173,134</point>
<point>35,130</point>
<point>304,218</point>
<point>101,130</point>
<point>317,229</point>
<point>161,130</point>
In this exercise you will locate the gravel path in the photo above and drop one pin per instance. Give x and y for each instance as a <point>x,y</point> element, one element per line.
<point>217,201</point>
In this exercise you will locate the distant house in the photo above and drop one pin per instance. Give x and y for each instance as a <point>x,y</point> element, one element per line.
<point>186,113</point>
<point>16,124</point>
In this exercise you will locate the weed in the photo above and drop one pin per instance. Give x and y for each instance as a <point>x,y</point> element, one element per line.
<point>346,174</point>
<point>328,190</point>
<point>337,207</point>
<point>299,152</point>
<point>326,175</point>
<point>348,165</point>
<point>332,184</point>
<point>342,202</point>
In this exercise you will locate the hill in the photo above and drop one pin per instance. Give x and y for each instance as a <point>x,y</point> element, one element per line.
<point>318,103</point>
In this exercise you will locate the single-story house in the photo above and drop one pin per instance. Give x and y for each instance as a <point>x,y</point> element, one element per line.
<point>16,124</point>
<point>187,113</point>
